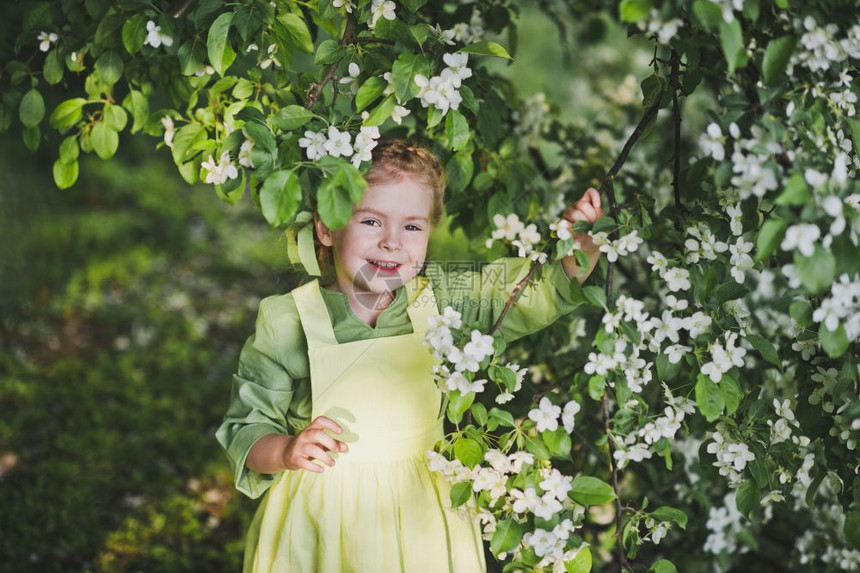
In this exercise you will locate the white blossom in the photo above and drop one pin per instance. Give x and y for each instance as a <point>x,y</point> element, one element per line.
<point>545,415</point>
<point>46,39</point>
<point>154,37</point>
<point>220,172</point>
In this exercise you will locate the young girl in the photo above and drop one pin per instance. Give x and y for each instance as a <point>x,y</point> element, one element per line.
<point>333,405</point>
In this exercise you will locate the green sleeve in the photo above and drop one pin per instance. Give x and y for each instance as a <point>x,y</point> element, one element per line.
<point>261,393</point>
<point>479,292</point>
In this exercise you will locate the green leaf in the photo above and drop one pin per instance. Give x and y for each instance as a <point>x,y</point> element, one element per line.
<point>729,291</point>
<point>663,566</point>
<point>184,139</point>
<point>69,149</point>
<point>507,536</point>
<point>538,448</point>
<point>115,116</point>
<point>596,387</point>
<point>109,67</point>
<point>581,563</point>
<point>468,451</point>
<point>457,129</point>
<point>32,137</point>
<point>292,117</point>
<point>299,33</point>
<point>776,57</point>
<point>460,493</point>
<point>67,114</point>
<point>334,205</point>
<point>328,52</point>
<point>708,398</point>
<point>588,490</point>
<point>634,10</point>
<point>381,112</point>
<point>732,394</point>
<point>851,528</point>
<point>504,417</point>
<point>732,43</point>
<point>138,105</point>
<point>218,47</point>
<point>855,134</point>
<point>369,91</point>
<point>818,271</point>
<point>65,174</point>
<point>652,89</point>
<point>595,295</point>
<point>403,71</point>
<point>104,139</point>
<point>558,442</point>
<point>834,342</point>
<point>31,110</point>
<point>708,14</point>
<point>280,197</point>
<point>765,348</point>
<point>769,237</point>
<point>54,67</point>
<point>748,497</point>
<point>666,513</point>
<point>801,311</point>
<point>486,49</point>
<point>134,33</point>
<point>796,191</point>
<point>666,370</point>
<point>479,412</point>
<point>191,55</point>
<point>460,169</point>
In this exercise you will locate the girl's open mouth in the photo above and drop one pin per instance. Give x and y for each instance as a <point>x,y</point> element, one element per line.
<point>384,267</point>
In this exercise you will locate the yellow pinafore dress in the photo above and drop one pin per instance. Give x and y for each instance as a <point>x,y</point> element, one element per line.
<point>379,509</point>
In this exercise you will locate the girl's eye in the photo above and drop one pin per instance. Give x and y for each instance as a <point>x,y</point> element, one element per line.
<point>369,221</point>
<point>414,227</point>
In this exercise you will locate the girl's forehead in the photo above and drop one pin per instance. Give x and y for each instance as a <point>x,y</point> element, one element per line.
<point>397,198</point>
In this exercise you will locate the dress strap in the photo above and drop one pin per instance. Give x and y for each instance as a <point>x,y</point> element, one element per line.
<point>314,315</point>
<point>422,305</point>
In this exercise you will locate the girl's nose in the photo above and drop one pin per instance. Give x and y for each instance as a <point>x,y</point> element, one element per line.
<point>391,240</point>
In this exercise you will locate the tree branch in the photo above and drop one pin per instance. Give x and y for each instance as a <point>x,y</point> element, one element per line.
<point>676,112</point>
<point>315,90</point>
<point>179,12</point>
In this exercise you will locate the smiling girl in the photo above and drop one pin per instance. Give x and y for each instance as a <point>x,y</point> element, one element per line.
<point>334,404</point>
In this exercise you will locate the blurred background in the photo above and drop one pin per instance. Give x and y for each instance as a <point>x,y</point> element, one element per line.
<point>124,302</point>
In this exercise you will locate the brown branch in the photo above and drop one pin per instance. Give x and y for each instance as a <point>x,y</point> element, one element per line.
<point>618,509</point>
<point>315,90</point>
<point>179,12</point>
<point>371,40</point>
<point>676,112</point>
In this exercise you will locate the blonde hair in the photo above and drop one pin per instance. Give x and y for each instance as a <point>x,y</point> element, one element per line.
<point>391,160</point>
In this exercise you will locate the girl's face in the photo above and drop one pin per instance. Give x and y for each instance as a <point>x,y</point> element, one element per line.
<point>392,225</point>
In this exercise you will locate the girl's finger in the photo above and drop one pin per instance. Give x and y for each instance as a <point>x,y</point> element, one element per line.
<point>309,465</point>
<point>322,439</point>
<point>593,196</point>
<point>328,423</point>
<point>589,212</point>
<point>316,452</point>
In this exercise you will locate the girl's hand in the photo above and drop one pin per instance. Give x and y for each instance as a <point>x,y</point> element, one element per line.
<point>586,209</point>
<point>313,443</point>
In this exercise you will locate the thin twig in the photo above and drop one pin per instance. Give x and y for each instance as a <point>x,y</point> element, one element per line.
<point>315,90</point>
<point>618,509</point>
<point>676,112</point>
<point>181,10</point>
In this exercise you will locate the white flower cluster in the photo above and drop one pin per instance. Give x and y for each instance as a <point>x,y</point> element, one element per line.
<point>821,48</point>
<point>463,32</point>
<point>663,31</point>
<point>506,396</point>
<point>723,357</point>
<point>468,359</point>
<point>703,245</point>
<point>169,130</point>
<point>245,153</point>
<point>780,431</point>
<point>338,143</point>
<point>46,39</point>
<point>531,120</point>
<point>220,172</point>
<point>729,6</point>
<point>725,524</point>
<point>380,9</point>
<point>443,91</point>
<point>841,307</point>
<point>549,544</point>
<point>636,446</point>
<point>749,158</point>
<point>712,142</point>
<point>154,36</point>
<point>732,457</point>
<point>740,260</point>
<point>546,415</point>
<point>677,279</point>
<point>523,237</point>
<point>622,246</point>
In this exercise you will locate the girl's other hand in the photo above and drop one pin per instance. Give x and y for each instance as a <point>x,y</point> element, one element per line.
<point>313,443</point>
<point>587,208</point>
